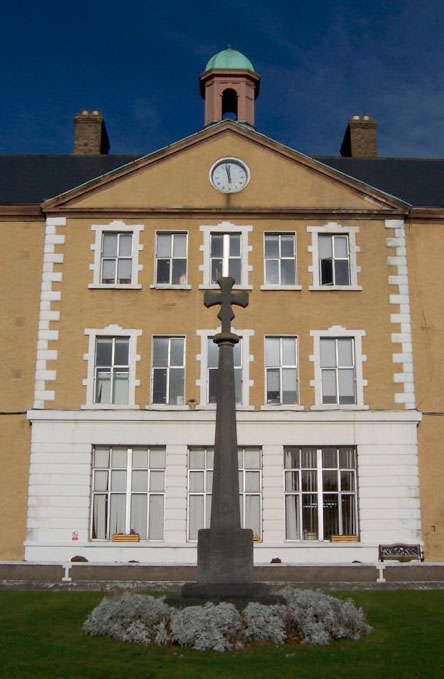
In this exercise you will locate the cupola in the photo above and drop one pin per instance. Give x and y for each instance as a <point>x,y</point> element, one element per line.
<point>229,86</point>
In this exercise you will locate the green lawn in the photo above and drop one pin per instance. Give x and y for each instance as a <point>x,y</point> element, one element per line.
<point>41,637</point>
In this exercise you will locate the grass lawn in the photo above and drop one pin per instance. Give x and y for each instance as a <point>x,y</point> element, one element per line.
<point>41,637</point>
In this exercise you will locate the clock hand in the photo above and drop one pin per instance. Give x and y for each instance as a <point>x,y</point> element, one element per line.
<point>227,168</point>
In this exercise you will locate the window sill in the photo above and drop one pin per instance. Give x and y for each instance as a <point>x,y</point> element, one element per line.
<point>162,406</point>
<point>214,286</point>
<point>212,406</point>
<point>281,287</point>
<point>336,406</point>
<point>162,286</point>
<point>117,286</point>
<point>288,406</point>
<point>334,287</point>
<point>108,406</point>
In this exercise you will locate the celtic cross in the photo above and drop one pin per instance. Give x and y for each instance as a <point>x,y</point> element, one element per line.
<point>226,297</point>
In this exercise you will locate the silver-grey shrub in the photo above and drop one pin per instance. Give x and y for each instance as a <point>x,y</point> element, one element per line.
<point>308,615</point>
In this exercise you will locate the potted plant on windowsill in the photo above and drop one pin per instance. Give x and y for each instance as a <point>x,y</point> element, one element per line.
<point>344,538</point>
<point>132,536</point>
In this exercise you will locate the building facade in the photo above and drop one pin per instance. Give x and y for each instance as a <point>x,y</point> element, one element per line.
<point>109,413</point>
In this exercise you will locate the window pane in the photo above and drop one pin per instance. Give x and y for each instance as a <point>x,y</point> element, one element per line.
<point>329,386</point>
<point>101,457</point>
<point>118,480</point>
<point>341,272</point>
<point>163,271</point>
<point>347,386</point>
<point>209,481</point>
<point>234,270</point>
<point>104,349</point>
<point>217,245</point>
<point>238,385</point>
<point>155,527</point>
<point>310,516</point>
<point>253,513</point>
<point>341,246</point>
<point>138,515</point>
<point>349,525</point>
<point>331,515</point>
<point>103,386</point>
<point>329,458</point>
<point>235,241</point>
<point>117,519</point>
<point>272,272</point>
<point>291,457</point>
<point>121,351</point>
<point>291,481</point>
<point>109,271</point>
<point>330,480</point>
<point>163,245</point>
<point>100,480</point>
<point>292,521</point>
<point>119,457</point>
<point>140,458</point>
<point>287,245</point>
<point>308,458</point>
<point>179,272</point>
<point>216,270</point>
<point>110,244</point>
<point>273,386</point>
<point>237,354</point>
<point>121,388</point>
<point>159,385</point>
<point>347,481</point>
<point>252,481</point>
<point>288,351</point>
<point>272,355</point>
<point>328,353</point>
<point>196,519</point>
<point>271,246</point>
<point>100,504</point>
<point>289,386</point>
<point>213,386</point>
<point>347,458</point>
<point>213,354</point>
<point>197,459</point>
<point>345,352</point>
<point>177,346</point>
<point>125,244</point>
<point>140,481</point>
<point>157,480</point>
<point>157,459</point>
<point>325,247</point>
<point>196,482</point>
<point>253,458</point>
<point>177,385</point>
<point>124,270</point>
<point>309,480</point>
<point>160,351</point>
<point>288,272</point>
<point>180,245</point>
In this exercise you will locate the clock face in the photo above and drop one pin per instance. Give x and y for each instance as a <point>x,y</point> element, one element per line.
<point>229,175</point>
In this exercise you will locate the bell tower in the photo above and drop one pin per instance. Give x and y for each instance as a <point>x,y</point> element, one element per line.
<point>230,86</point>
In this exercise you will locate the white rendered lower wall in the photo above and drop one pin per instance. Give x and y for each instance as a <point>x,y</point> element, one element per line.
<point>60,480</point>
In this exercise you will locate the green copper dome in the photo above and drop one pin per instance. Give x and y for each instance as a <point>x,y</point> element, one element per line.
<point>230,59</point>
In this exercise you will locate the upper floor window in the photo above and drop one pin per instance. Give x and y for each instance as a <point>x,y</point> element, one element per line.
<point>225,250</point>
<point>334,252</point>
<point>171,259</point>
<point>280,260</point>
<point>338,368</point>
<point>128,488</point>
<point>281,370</point>
<point>116,255</point>
<point>112,358</point>
<point>168,370</point>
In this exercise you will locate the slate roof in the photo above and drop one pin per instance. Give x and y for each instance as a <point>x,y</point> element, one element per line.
<point>30,179</point>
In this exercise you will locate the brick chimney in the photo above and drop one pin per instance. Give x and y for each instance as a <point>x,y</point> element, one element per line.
<point>91,136</point>
<point>360,139</point>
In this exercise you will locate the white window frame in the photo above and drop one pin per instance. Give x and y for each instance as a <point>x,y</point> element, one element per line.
<point>170,286</point>
<point>279,286</point>
<point>319,493</point>
<point>333,229</point>
<point>247,358</point>
<point>282,406</point>
<point>225,228</point>
<point>166,406</point>
<point>90,357</point>
<point>116,226</point>
<point>337,331</point>
<point>128,492</point>
<point>206,492</point>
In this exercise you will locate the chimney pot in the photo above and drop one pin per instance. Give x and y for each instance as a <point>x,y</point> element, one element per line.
<point>360,139</point>
<point>91,136</point>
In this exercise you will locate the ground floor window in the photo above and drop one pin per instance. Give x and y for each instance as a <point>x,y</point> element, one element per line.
<point>128,487</point>
<point>200,481</point>
<point>320,492</point>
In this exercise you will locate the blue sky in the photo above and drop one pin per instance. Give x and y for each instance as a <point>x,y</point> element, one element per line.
<point>138,62</point>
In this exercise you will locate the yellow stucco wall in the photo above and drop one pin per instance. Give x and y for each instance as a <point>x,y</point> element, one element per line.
<point>21,259</point>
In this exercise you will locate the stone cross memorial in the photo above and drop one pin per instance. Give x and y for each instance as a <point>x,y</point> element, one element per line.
<point>225,550</point>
